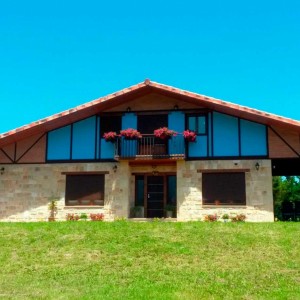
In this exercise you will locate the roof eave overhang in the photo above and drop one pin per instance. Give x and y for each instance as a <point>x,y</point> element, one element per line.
<point>96,106</point>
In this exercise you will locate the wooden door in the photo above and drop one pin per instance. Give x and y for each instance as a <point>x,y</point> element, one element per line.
<point>155,196</point>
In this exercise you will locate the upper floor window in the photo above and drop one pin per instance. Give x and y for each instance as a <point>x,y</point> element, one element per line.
<point>146,124</point>
<point>197,123</point>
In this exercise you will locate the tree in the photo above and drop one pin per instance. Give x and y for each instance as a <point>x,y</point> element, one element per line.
<point>285,188</point>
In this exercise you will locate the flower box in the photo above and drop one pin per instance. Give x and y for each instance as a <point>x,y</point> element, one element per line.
<point>110,136</point>
<point>164,133</point>
<point>130,134</point>
<point>190,136</point>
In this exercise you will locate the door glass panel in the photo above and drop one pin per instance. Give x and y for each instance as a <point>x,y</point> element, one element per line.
<point>171,198</point>
<point>139,191</point>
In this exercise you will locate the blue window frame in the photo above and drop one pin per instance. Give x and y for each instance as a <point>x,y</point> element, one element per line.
<point>197,123</point>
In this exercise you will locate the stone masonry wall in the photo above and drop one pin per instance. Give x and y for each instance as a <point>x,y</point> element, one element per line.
<point>259,193</point>
<point>25,191</point>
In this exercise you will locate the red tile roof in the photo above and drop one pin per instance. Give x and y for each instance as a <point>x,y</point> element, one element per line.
<point>100,104</point>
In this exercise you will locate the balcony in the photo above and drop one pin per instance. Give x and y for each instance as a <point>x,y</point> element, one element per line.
<point>150,147</point>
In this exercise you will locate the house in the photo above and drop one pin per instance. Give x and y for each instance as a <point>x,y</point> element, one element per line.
<point>228,168</point>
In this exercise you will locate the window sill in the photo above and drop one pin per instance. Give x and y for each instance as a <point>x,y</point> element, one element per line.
<point>83,206</point>
<point>224,206</point>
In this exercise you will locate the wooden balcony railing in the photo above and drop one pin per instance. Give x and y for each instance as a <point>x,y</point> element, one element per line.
<point>150,147</point>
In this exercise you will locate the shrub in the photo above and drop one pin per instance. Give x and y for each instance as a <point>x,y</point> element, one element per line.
<point>238,218</point>
<point>83,216</point>
<point>225,217</point>
<point>211,218</point>
<point>97,217</point>
<point>72,217</point>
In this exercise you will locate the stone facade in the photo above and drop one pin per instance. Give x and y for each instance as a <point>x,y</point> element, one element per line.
<point>26,189</point>
<point>259,192</point>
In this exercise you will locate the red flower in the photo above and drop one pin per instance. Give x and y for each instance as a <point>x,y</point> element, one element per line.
<point>110,136</point>
<point>164,133</point>
<point>130,134</point>
<point>97,217</point>
<point>189,135</point>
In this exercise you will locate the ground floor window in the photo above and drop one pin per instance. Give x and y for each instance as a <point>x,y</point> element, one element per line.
<point>223,189</point>
<point>85,189</point>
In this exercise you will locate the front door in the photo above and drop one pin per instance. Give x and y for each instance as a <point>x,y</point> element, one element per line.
<point>155,196</point>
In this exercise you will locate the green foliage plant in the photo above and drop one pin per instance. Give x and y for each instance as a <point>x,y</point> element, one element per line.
<point>83,216</point>
<point>225,217</point>
<point>52,206</point>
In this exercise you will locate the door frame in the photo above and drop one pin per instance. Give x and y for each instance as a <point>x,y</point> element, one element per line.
<point>146,192</point>
<point>146,175</point>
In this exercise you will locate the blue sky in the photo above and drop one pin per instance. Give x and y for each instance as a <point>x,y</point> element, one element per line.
<point>55,55</point>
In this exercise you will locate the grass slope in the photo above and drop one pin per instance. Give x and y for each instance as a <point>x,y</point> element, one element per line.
<point>158,260</point>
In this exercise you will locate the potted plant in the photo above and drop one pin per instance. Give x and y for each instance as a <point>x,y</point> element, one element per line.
<point>97,217</point>
<point>170,209</point>
<point>52,206</point>
<point>238,218</point>
<point>72,217</point>
<point>137,212</point>
<point>164,133</point>
<point>225,218</point>
<point>189,136</point>
<point>110,136</point>
<point>130,134</point>
<point>211,218</point>
<point>83,216</point>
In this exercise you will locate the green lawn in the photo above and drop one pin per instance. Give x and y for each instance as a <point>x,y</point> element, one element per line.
<point>156,260</point>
